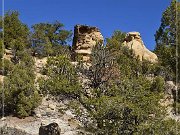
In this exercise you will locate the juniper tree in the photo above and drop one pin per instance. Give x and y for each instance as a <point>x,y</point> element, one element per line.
<point>50,39</point>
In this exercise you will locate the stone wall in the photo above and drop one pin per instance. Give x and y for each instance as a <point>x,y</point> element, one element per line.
<point>85,38</point>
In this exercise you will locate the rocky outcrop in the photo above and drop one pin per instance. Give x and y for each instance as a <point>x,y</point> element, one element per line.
<point>11,131</point>
<point>56,110</point>
<point>85,38</point>
<point>39,65</point>
<point>133,41</point>
<point>8,54</point>
<point>51,129</point>
<point>51,110</point>
<point>169,99</point>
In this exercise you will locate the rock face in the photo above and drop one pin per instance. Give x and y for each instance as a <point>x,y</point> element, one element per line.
<point>85,38</point>
<point>133,41</point>
<point>54,110</point>
<point>11,131</point>
<point>169,99</point>
<point>51,110</point>
<point>51,129</point>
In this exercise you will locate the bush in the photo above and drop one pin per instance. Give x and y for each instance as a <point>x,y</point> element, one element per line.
<point>62,78</point>
<point>21,94</point>
<point>158,84</point>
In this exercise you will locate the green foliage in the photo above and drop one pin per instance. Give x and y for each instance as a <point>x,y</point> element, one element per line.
<point>163,127</point>
<point>16,33</point>
<point>124,93</point>
<point>1,48</point>
<point>122,108</point>
<point>62,78</point>
<point>158,84</point>
<point>166,34</point>
<point>114,44</point>
<point>26,104</point>
<point>20,92</point>
<point>5,67</point>
<point>102,62</point>
<point>167,37</point>
<point>120,105</point>
<point>48,38</point>
<point>168,41</point>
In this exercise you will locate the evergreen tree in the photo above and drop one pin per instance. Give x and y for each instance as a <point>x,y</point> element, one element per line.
<point>62,77</point>
<point>167,37</point>
<point>16,34</point>
<point>50,39</point>
<point>21,94</point>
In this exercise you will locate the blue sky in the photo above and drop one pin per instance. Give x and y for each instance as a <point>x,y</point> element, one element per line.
<point>108,15</point>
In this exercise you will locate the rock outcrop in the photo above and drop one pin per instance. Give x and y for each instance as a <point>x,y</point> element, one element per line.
<point>51,110</point>
<point>51,129</point>
<point>168,100</point>
<point>11,131</point>
<point>133,41</point>
<point>85,38</point>
<point>8,54</point>
<point>56,110</point>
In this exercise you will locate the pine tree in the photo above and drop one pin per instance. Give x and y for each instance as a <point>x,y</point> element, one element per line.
<point>167,37</point>
<point>16,34</point>
<point>50,39</point>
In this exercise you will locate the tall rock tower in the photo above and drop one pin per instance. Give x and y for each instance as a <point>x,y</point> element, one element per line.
<point>85,38</point>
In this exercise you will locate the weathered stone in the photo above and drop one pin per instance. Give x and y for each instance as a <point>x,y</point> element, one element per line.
<point>38,115</point>
<point>52,107</point>
<point>3,118</point>
<point>12,131</point>
<point>170,87</point>
<point>85,38</point>
<point>133,41</point>
<point>51,129</point>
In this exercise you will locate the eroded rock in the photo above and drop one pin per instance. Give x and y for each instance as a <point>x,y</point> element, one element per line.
<point>51,129</point>
<point>134,41</point>
<point>85,38</point>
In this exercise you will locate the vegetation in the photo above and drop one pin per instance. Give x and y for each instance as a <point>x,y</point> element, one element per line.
<point>123,101</point>
<point>124,93</point>
<point>167,37</point>
<point>62,78</point>
<point>16,36</point>
<point>21,94</point>
<point>168,43</point>
<point>49,39</point>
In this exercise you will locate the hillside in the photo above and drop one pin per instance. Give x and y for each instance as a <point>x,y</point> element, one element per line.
<point>94,86</point>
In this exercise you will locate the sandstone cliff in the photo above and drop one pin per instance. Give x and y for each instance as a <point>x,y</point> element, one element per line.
<point>133,41</point>
<point>85,37</point>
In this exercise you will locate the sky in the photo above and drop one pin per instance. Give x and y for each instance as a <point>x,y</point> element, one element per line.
<point>108,15</point>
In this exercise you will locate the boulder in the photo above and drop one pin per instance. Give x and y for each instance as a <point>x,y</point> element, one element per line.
<point>85,38</point>
<point>133,41</point>
<point>51,129</point>
<point>170,88</point>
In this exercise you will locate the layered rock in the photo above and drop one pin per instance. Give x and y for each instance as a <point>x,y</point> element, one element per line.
<point>134,41</point>
<point>85,38</point>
